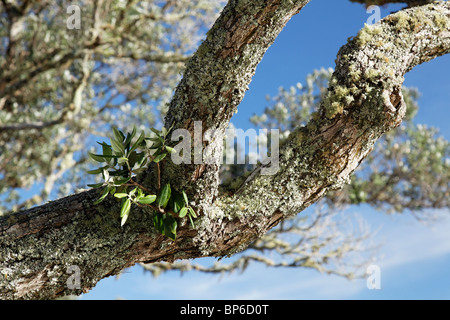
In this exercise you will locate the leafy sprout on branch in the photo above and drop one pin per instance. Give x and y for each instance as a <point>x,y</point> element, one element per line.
<point>124,158</point>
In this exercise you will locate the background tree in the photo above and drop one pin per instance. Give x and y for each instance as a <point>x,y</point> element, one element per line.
<point>107,66</point>
<point>119,68</point>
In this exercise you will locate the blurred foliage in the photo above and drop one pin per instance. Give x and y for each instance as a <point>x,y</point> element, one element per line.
<point>61,88</point>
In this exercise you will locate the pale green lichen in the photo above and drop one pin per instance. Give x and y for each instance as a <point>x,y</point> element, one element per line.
<point>367,33</point>
<point>372,74</point>
<point>384,45</point>
<point>402,21</point>
<point>442,22</point>
<point>334,109</point>
<point>336,99</point>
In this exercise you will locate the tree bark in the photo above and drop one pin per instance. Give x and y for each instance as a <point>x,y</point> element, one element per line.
<point>364,100</point>
<point>215,82</point>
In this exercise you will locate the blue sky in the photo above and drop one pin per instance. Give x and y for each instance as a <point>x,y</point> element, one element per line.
<point>414,258</point>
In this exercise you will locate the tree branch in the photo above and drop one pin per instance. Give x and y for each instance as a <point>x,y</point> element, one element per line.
<point>216,79</point>
<point>364,101</point>
<point>69,111</point>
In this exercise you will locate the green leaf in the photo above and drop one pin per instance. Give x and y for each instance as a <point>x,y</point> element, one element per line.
<point>157,132</point>
<point>118,135</point>
<point>164,197</point>
<point>123,173</point>
<point>130,136</point>
<point>117,147</point>
<point>192,212</point>
<point>132,192</point>
<point>159,157</point>
<point>171,150</point>
<point>124,219</point>
<point>120,195</point>
<point>133,157</point>
<point>96,171</point>
<point>156,145</point>
<point>147,199</point>
<point>105,174</point>
<point>176,202</point>
<point>106,148</point>
<point>133,132</point>
<point>158,222</point>
<point>139,170</point>
<point>164,132</point>
<point>192,222</point>
<point>185,198</point>
<point>105,156</point>
<point>138,142</point>
<point>170,227</point>
<point>125,211</point>
<point>136,158</point>
<point>96,157</point>
<point>95,185</point>
<point>166,224</point>
<point>154,139</point>
<point>183,212</point>
<point>112,156</point>
<point>172,224</point>
<point>105,192</point>
<point>122,160</point>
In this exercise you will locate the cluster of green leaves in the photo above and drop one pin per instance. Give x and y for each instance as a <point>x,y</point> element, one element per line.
<point>123,159</point>
<point>171,204</point>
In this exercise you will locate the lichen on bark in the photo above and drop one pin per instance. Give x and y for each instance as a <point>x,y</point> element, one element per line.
<point>216,79</point>
<point>363,101</point>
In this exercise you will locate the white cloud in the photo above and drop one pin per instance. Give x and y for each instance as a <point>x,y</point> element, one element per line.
<point>410,243</point>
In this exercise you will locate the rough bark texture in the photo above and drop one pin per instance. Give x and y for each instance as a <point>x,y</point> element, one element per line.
<point>216,80</point>
<point>364,101</point>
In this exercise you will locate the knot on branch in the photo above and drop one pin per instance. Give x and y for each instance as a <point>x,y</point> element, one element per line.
<point>395,105</point>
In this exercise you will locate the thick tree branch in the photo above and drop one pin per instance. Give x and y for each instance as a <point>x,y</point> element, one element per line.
<point>216,79</point>
<point>364,100</point>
